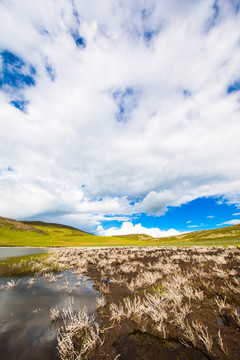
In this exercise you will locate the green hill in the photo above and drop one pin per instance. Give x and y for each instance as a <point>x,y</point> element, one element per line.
<point>43,226</point>
<point>13,225</point>
<point>38,233</point>
<point>229,235</point>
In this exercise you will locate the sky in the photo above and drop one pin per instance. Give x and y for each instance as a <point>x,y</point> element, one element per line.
<point>121,116</point>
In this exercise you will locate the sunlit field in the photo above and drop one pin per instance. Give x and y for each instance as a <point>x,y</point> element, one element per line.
<point>15,233</point>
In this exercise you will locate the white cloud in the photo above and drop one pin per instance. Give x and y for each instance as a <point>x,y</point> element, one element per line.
<point>210,217</point>
<point>128,228</point>
<point>156,203</point>
<point>196,226</point>
<point>236,214</point>
<point>230,222</point>
<point>171,149</point>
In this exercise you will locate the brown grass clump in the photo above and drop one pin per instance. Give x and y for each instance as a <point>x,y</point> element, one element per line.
<point>54,314</point>
<point>78,335</point>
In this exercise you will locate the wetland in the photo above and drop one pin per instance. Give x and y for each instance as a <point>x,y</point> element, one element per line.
<point>122,303</point>
<point>33,294</point>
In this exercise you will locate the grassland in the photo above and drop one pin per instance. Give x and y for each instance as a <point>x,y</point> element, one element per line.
<point>27,233</point>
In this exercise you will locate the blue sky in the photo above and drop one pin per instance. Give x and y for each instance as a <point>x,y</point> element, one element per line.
<point>121,116</point>
<point>199,214</point>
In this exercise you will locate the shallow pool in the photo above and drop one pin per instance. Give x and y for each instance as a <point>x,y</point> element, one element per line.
<point>26,331</point>
<point>7,252</point>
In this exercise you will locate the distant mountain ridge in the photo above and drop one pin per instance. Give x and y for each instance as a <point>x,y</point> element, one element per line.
<point>39,233</point>
<point>60,226</point>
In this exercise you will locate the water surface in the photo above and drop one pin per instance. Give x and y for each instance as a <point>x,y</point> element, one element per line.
<point>8,252</point>
<point>26,331</point>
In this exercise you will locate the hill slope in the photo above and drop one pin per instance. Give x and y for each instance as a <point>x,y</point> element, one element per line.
<point>221,236</point>
<point>14,225</point>
<point>37,233</point>
<point>40,225</point>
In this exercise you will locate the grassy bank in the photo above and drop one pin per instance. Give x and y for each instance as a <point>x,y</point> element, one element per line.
<point>28,264</point>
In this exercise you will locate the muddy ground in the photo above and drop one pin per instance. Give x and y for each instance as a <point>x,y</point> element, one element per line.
<point>160,303</point>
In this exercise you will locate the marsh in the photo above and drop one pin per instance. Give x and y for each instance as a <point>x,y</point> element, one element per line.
<point>27,330</point>
<point>170,299</point>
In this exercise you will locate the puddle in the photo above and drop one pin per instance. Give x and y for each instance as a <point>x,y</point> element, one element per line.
<point>8,252</point>
<point>142,346</point>
<point>238,311</point>
<point>26,331</point>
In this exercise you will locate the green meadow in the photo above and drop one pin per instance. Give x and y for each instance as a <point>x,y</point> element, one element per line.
<point>39,234</point>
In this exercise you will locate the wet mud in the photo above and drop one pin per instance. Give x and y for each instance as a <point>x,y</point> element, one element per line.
<point>143,346</point>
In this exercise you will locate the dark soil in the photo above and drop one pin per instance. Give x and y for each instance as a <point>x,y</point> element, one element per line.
<point>144,346</point>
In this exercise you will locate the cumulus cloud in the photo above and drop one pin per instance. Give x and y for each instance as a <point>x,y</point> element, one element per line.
<point>130,111</point>
<point>128,228</point>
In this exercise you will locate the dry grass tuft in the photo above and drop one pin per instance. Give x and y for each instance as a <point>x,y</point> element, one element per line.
<point>81,327</point>
<point>202,332</point>
<point>54,314</point>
